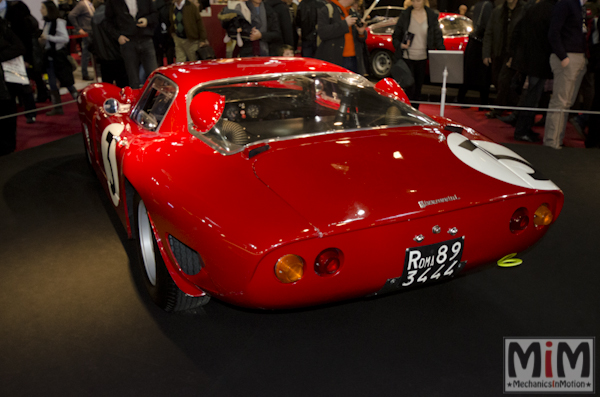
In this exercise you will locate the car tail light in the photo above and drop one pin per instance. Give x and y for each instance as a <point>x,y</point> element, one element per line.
<point>289,268</point>
<point>519,220</point>
<point>329,261</point>
<point>543,216</point>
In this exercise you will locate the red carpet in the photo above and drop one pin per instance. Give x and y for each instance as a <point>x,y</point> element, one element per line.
<point>50,128</point>
<point>494,128</point>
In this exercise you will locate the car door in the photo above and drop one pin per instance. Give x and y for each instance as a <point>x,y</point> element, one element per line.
<point>118,130</point>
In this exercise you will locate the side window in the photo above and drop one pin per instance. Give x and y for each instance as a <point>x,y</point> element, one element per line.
<point>154,103</point>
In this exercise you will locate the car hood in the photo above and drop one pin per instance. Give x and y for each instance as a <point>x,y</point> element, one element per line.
<point>340,182</point>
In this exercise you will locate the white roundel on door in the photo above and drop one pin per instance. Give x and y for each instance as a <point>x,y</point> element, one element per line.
<point>109,141</point>
<point>498,162</point>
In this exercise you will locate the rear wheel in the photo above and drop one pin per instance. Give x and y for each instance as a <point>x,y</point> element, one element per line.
<point>381,63</point>
<point>162,289</point>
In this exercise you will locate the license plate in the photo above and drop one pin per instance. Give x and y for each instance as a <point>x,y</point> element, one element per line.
<point>432,262</point>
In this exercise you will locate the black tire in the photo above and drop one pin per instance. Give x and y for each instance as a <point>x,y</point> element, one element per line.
<point>87,145</point>
<point>381,63</point>
<point>160,286</point>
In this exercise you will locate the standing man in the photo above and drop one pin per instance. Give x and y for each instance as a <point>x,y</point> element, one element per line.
<point>10,48</point>
<point>81,19</point>
<point>286,27</point>
<point>132,23</point>
<point>265,37</point>
<point>532,54</point>
<point>338,32</point>
<point>187,29</point>
<point>107,51</point>
<point>306,20</point>
<point>567,38</point>
<point>497,51</point>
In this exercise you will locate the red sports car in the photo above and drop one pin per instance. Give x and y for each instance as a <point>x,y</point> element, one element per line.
<point>455,28</point>
<point>288,182</point>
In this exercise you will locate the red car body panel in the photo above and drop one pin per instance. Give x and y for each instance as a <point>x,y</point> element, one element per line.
<point>358,191</point>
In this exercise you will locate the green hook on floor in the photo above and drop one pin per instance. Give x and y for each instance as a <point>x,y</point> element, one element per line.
<point>509,261</point>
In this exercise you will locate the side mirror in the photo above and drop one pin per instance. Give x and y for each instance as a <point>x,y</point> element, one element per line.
<point>111,106</point>
<point>389,86</point>
<point>206,110</point>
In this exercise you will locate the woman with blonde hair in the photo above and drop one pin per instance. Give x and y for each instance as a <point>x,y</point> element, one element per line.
<point>416,32</point>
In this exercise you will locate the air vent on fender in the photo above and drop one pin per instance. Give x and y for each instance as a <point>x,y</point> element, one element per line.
<point>189,261</point>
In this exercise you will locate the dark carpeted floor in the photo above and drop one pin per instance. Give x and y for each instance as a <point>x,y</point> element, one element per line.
<point>73,322</point>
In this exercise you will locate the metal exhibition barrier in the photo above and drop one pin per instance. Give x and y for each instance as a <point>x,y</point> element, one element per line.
<point>40,109</point>
<point>470,105</point>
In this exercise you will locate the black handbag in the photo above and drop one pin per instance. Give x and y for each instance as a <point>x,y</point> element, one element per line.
<point>401,73</point>
<point>206,52</point>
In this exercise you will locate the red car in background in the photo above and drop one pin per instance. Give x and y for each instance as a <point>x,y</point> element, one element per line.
<point>455,28</point>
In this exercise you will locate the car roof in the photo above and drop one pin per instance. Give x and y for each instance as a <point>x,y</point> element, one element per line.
<point>189,74</point>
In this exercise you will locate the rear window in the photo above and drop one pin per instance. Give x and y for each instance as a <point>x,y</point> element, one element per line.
<point>296,105</point>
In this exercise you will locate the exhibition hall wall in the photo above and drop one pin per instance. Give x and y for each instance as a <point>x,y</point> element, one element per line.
<point>34,7</point>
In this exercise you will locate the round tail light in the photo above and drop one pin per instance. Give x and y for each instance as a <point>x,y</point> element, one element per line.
<point>543,216</point>
<point>519,220</point>
<point>289,268</point>
<point>329,261</point>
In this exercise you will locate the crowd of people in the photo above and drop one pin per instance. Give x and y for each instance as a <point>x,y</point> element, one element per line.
<point>539,53</point>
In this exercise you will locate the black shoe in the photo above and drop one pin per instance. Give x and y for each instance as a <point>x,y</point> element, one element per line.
<point>87,78</point>
<point>30,120</point>
<point>510,119</point>
<point>578,127</point>
<point>492,115</point>
<point>529,137</point>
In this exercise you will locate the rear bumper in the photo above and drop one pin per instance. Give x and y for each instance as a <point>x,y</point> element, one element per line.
<point>375,255</point>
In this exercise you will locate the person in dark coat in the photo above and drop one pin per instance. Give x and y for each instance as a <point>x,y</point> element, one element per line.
<point>10,48</point>
<point>265,37</point>
<point>531,59</point>
<point>306,20</point>
<point>497,51</point>
<point>285,22</point>
<point>26,27</point>
<point>415,51</point>
<point>340,36</point>
<point>593,137</point>
<point>107,51</point>
<point>476,74</point>
<point>164,46</point>
<point>133,29</point>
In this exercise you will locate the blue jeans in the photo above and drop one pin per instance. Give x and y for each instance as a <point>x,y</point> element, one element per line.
<point>136,52</point>
<point>52,80</point>
<point>350,63</point>
<point>85,56</point>
<point>529,99</point>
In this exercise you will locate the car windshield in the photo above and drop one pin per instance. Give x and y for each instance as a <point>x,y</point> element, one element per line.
<point>285,106</point>
<point>453,26</point>
<point>384,27</point>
